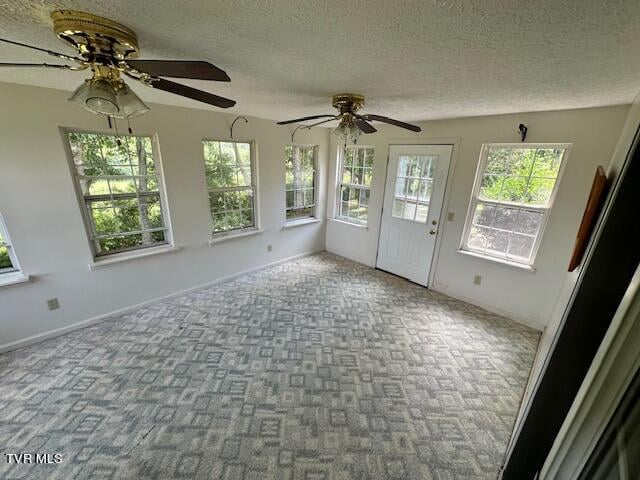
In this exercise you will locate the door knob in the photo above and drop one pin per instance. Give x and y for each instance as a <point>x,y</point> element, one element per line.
<point>434,222</point>
<point>432,232</point>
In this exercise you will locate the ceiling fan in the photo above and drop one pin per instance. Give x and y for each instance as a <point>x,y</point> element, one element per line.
<point>352,124</point>
<point>111,50</point>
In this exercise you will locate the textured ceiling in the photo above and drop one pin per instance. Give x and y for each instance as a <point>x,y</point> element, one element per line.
<point>414,60</point>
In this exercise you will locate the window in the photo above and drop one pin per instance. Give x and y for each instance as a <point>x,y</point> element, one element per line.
<point>8,260</point>
<point>512,196</point>
<point>300,181</point>
<point>356,172</point>
<point>230,172</point>
<point>119,183</point>
<point>414,184</point>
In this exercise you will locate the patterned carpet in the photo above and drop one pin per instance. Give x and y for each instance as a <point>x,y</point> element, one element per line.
<point>317,369</point>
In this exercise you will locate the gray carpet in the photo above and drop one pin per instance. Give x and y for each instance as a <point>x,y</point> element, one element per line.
<point>317,369</point>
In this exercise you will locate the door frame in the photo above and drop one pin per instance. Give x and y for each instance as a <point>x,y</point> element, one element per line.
<point>454,142</point>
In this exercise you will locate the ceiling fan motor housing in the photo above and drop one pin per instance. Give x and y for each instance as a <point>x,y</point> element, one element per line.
<point>97,39</point>
<point>348,102</point>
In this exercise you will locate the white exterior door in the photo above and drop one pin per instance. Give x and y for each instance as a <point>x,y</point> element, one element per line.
<point>414,192</point>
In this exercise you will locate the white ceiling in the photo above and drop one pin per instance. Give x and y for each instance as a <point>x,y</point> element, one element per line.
<point>413,60</point>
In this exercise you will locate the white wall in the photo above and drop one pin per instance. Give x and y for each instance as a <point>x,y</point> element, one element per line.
<point>39,205</point>
<point>521,295</point>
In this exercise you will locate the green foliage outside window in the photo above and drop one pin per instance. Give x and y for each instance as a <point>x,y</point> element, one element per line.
<point>120,185</point>
<point>299,181</point>
<point>525,176</point>
<point>229,172</point>
<point>357,174</point>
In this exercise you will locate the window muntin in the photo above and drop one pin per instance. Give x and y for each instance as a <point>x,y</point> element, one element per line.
<point>230,175</point>
<point>354,184</point>
<point>513,194</point>
<point>415,177</point>
<point>300,181</point>
<point>119,182</point>
<point>8,260</point>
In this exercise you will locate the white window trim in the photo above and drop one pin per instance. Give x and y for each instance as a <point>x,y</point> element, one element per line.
<point>297,221</point>
<point>547,210</point>
<point>339,185</point>
<point>131,255</point>
<point>238,232</point>
<point>166,219</point>
<point>233,234</point>
<point>301,221</point>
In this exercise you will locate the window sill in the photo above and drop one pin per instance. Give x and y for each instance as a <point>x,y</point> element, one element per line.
<point>126,256</point>
<point>13,278</point>
<point>223,237</point>
<point>507,263</point>
<point>352,224</point>
<point>302,221</point>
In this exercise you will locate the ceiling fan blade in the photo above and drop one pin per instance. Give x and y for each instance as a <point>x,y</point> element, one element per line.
<point>391,121</point>
<point>313,117</point>
<point>323,121</point>
<point>180,69</point>
<point>45,65</point>
<point>44,50</point>
<point>364,126</point>
<point>192,93</point>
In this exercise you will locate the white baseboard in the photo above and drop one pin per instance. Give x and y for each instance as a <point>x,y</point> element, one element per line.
<point>41,337</point>
<point>511,316</point>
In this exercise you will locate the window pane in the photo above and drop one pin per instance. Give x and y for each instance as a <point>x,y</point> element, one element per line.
<point>484,214</point>
<point>403,166</point>
<point>521,246</point>
<point>401,185</point>
<point>504,218</point>
<point>528,222</point>
<point>491,187</point>
<point>5,260</point>
<point>118,178</point>
<point>409,211</point>
<point>540,191</point>
<point>227,164</point>
<point>426,187</point>
<point>513,189</point>
<point>477,238</point>
<point>421,213</point>
<point>398,207</point>
<point>497,241</point>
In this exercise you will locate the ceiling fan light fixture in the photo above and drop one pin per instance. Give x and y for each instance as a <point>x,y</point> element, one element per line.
<point>129,103</point>
<point>347,130</point>
<point>96,96</point>
<point>101,97</point>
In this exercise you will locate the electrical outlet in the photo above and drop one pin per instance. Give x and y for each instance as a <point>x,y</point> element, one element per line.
<point>269,248</point>
<point>450,216</point>
<point>477,279</point>
<point>53,304</point>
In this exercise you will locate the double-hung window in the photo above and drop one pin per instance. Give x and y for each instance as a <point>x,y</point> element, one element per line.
<point>354,184</point>
<point>119,184</point>
<point>8,260</point>
<point>231,182</point>
<point>300,181</point>
<point>512,196</point>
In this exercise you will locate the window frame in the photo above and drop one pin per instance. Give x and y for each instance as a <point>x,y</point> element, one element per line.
<point>482,161</point>
<point>340,184</point>
<point>238,232</point>
<point>6,242</point>
<point>314,210</point>
<point>86,218</point>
